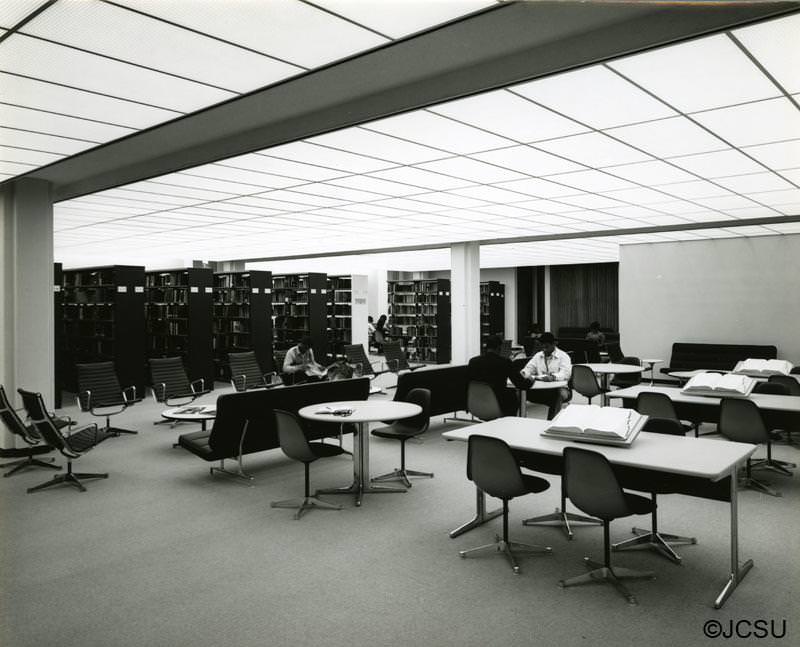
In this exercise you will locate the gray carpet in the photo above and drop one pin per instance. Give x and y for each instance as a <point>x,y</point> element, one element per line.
<point>162,553</point>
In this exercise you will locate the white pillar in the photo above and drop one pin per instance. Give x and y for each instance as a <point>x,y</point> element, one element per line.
<point>547,299</point>
<point>465,301</point>
<point>26,278</point>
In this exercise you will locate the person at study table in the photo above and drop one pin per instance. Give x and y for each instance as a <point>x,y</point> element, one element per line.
<point>494,369</point>
<point>300,363</point>
<point>594,334</point>
<point>550,364</point>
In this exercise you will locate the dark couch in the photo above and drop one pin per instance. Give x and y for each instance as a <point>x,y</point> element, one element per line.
<point>448,387</point>
<point>691,356</point>
<point>257,409</point>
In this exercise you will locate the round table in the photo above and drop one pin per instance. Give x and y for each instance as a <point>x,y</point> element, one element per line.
<point>362,413</point>
<point>606,369</point>
<point>650,365</point>
<point>192,413</point>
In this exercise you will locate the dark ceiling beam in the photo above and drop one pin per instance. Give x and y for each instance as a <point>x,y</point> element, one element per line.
<point>507,44</point>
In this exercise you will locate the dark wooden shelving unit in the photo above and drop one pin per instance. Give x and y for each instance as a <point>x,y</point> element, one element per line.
<point>420,317</point>
<point>340,314</point>
<point>103,316</point>
<point>493,309</point>
<point>299,309</point>
<point>178,318</point>
<point>58,332</point>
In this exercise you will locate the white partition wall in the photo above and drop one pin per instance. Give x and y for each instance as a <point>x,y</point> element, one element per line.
<point>359,309</point>
<point>731,290</point>
<point>465,301</point>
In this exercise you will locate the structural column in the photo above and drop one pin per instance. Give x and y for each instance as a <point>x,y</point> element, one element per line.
<point>26,280</point>
<point>465,301</point>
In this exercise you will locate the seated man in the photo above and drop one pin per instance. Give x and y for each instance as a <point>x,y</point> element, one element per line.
<point>550,364</point>
<point>494,369</point>
<point>301,365</point>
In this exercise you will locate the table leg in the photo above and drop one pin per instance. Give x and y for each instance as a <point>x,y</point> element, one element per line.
<point>737,573</point>
<point>604,379</point>
<point>523,403</point>
<point>652,372</point>
<point>481,516</point>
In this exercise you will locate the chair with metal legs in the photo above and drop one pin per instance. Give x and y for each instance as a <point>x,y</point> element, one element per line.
<point>34,444</point>
<point>402,430</point>
<point>659,405</point>
<point>494,470</point>
<point>593,487</point>
<point>72,447</point>
<point>100,394</point>
<point>482,402</point>
<point>584,381</point>
<point>770,463</point>
<point>660,542</point>
<point>296,446</point>
<point>793,388</point>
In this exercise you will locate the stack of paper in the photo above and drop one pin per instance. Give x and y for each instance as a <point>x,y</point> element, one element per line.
<point>594,424</point>
<point>728,385</point>
<point>763,367</point>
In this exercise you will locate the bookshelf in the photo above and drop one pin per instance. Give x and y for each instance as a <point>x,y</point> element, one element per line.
<point>347,313</point>
<point>420,316</point>
<point>58,333</point>
<point>493,309</point>
<point>178,318</point>
<point>103,317</point>
<point>299,309</point>
<point>242,316</point>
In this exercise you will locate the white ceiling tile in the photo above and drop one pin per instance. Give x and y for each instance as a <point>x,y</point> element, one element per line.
<point>637,211</point>
<point>595,96</point>
<point>339,193</point>
<point>778,198</point>
<point>248,181</point>
<point>283,28</point>
<point>775,45</point>
<point>375,185</point>
<point>148,197</point>
<point>222,188</point>
<point>594,150</point>
<point>439,132</point>
<point>725,202</point>
<point>306,199</point>
<point>692,190</point>
<point>754,123</point>
<point>781,155</point>
<point>12,11</point>
<point>171,188</point>
<point>509,115</point>
<point>53,124</point>
<point>546,206</point>
<point>129,36</point>
<point>793,175</point>
<point>422,178</point>
<point>266,202</point>
<point>699,74</point>
<point>650,173</point>
<point>490,194</point>
<point>312,154</point>
<point>669,137</point>
<point>508,211</point>
<point>641,195</point>
<point>24,156</point>
<point>592,181</point>
<point>677,207</point>
<point>15,168</point>
<point>447,199</point>
<point>472,170</point>
<point>275,166</point>
<point>417,205</point>
<point>526,159</point>
<point>366,142</point>
<point>754,182</point>
<point>539,188</point>
<point>58,64</point>
<point>44,143</point>
<point>718,164</point>
<point>591,201</point>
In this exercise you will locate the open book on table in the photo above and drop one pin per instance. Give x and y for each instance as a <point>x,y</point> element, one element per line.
<point>728,385</point>
<point>593,424</point>
<point>763,367</point>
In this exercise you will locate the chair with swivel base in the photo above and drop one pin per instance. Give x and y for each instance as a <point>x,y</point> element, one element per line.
<point>296,446</point>
<point>770,463</point>
<point>792,388</point>
<point>100,394</point>
<point>482,402</point>
<point>171,386</point>
<point>654,539</point>
<point>584,381</point>
<point>33,443</point>
<point>659,405</point>
<point>493,468</point>
<point>593,488</point>
<point>71,447</point>
<point>402,430</point>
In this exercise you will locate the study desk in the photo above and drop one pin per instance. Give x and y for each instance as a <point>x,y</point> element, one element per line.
<point>363,412</point>
<point>698,461</point>
<point>538,385</point>
<point>606,369</point>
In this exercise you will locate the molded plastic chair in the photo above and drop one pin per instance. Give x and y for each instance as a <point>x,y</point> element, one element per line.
<point>482,401</point>
<point>246,373</point>
<point>72,447</point>
<point>782,467</point>
<point>593,487</point>
<point>99,390</point>
<point>494,470</point>
<point>34,445</point>
<point>404,429</point>
<point>741,421</point>
<point>658,541</point>
<point>793,387</point>
<point>584,381</point>
<point>624,380</point>
<point>296,446</point>
<point>659,405</point>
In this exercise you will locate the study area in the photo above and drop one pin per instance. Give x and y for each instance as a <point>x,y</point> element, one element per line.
<point>516,282</point>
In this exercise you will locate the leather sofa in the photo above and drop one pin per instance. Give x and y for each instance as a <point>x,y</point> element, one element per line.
<point>723,357</point>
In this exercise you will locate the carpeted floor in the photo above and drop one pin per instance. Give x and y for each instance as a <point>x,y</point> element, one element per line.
<point>162,553</point>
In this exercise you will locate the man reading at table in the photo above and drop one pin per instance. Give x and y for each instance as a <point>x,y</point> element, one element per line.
<point>550,364</point>
<point>300,363</point>
<point>495,370</point>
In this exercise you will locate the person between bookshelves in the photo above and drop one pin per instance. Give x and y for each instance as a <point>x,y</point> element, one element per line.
<point>380,333</point>
<point>551,364</point>
<point>495,370</point>
<point>300,363</point>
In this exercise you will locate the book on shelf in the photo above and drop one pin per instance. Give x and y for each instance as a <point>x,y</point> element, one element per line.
<point>717,384</point>
<point>594,424</point>
<point>763,367</point>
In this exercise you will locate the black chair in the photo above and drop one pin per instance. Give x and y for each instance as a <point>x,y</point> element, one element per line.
<point>593,487</point>
<point>782,467</point>
<point>402,430</point>
<point>494,470</point>
<point>99,391</point>
<point>34,444</point>
<point>72,447</point>
<point>296,446</point>
<point>246,373</point>
<point>482,402</point>
<point>793,388</point>
<point>741,421</point>
<point>624,380</point>
<point>357,358</point>
<point>170,385</point>
<point>396,359</point>
<point>659,405</point>
<point>584,381</point>
<point>615,353</point>
<point>660,542</point>
<point>505,349</point>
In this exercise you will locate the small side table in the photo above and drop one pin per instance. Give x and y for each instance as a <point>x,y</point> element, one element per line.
<point>649,365</point>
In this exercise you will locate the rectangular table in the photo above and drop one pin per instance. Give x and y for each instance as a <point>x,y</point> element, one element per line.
<point>701,462</point>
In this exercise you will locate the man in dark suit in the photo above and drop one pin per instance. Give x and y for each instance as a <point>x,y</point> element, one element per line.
<point>495,369</point>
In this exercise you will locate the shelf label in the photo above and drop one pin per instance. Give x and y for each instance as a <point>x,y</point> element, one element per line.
<point>208,290</point>
<point>194,289</point>
<point>360,300</point>
<point>267,290</point>
<point>313,290</point>
<point>254,290</point>
<point>56,288</point>
<point>122,289</point>
<point>138,289</point>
